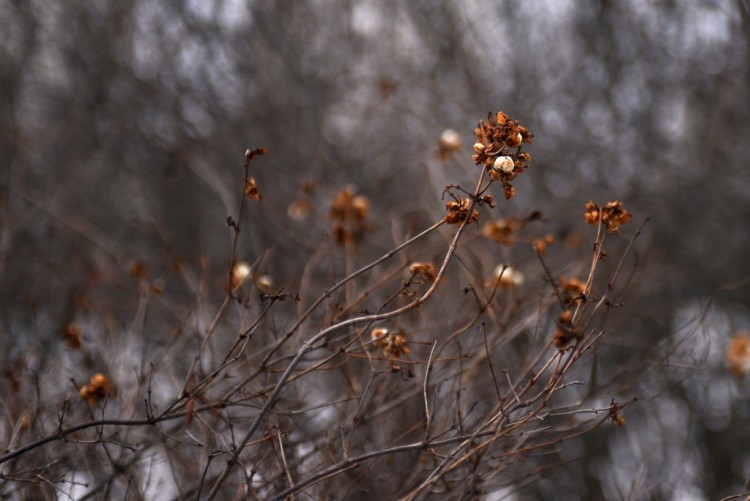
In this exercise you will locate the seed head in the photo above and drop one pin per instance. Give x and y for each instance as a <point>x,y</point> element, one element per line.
<point>503,164</point>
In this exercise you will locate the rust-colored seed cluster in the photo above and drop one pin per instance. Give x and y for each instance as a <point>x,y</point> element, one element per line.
<point>251,189</point>
<point>301,208</point>
<point>501,230</point>
<point>738,354</point>
<point>72,336</point>
<point>571,289</point>
<point>137,270</point>
<point>393,344</point>
<point>616,417</point>
<point>427,270</point>
<point>349,214</point>
<point>540,244</point>
<point>613,215</point>
<point>566,331</point>
<point>97,388</point>
<point>459,212</point>
<point>498,149</point>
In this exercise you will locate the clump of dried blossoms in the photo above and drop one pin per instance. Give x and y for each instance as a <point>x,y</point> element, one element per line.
<point>72,336</point>
<point>97,388</point>
<point>571,289</point>
<point>459,212</point>
<point>501,230</point>
<point>498,149</point>
<point>393,343</point>
<point>251,186</point>
<point>613,215</point>
<point>427,270</point>
<point>565,331</point>
<point>738,354</point>
<point>349,214</point>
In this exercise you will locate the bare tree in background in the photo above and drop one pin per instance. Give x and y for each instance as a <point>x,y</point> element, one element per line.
<point>124,212</point>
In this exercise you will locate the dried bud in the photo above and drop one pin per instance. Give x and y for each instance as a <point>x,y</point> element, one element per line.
<point>479,147</point>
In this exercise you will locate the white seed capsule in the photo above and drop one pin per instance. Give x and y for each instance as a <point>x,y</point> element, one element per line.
<point>450,139</point>
<point>504,164</point>
<point>264,283</point>
<point>508,275</point>
<point>240,272</point>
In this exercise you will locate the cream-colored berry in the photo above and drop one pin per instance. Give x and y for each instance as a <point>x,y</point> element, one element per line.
<point>264,283</point>
<point>507,275</point>
<point>450,139</point>
<point>240,272</point>
<point>504,164</point>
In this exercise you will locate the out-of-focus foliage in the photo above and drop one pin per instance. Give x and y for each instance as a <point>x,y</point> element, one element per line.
<point>122,130</point>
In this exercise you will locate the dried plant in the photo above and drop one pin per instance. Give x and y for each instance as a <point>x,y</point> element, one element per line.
<point>438,370</point>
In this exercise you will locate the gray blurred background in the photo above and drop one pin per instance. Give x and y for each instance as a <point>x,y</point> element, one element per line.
<point>123,127</point>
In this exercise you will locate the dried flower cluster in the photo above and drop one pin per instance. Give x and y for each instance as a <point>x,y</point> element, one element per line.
<point>298,210</point>
<point>349,214</point>
<point>571,290</point>
<point>427,270</point>
<point>540,244</point>
<point>738,354</point>
<point>501,230</point>
<point>301,208</point>
<point>137,270</point>
<point>251,187</point>
<point>393,344</point>
<point>498,149</point>
<point>97,388</point>
<point>565,331</point>
<point>72,336</point>
<point>615,416</point>
<point>613,215</point>
<point>459,212</point>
